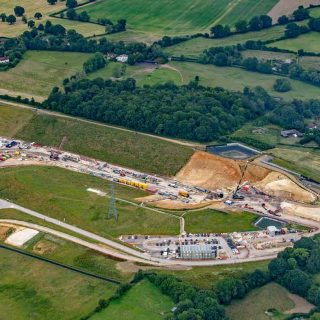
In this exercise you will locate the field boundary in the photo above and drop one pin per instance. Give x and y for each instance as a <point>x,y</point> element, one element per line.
<point>58,264</point>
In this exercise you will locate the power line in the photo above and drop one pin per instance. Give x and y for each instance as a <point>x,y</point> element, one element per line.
<point>112,212</point>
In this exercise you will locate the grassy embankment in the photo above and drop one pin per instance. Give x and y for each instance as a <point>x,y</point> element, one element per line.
<point>127,148</point>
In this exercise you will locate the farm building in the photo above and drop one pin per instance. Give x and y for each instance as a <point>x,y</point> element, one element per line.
<point>291,133</point>
<point>122,58</point>
<point>4,60</point>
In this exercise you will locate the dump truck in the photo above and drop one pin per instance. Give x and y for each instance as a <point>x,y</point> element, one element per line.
<point>183,193</point>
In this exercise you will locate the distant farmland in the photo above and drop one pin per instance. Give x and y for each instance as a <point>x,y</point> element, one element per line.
<point>177,17</point>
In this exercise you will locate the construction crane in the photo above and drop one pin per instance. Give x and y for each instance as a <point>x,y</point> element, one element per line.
<point>235,193</point>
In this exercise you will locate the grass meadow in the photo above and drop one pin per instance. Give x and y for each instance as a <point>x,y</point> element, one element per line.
<point>62,194</point>
<point>32,289</point>
<point>143,301</point>
<point>39,72</point>
<point>254,305</point>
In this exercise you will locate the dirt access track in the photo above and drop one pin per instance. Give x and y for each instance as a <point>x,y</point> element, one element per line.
<point>286,7</point>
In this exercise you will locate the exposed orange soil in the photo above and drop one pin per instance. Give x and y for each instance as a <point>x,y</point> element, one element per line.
<point>213,172</point>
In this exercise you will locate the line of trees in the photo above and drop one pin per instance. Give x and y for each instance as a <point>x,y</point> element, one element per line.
<point>56,37</point>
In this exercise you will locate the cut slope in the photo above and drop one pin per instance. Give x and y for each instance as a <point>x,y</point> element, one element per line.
<point>277,184</point>
<point>213,172</point>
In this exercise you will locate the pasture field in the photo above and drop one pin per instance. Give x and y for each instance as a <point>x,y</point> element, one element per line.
<point>39,72</point>
<point>13,119</point>
<point>236,79</point>
<point>126,148</point>
<point>143,301</point>
<point>176,17</point>
<point>210,220</point>
<point>206,277</point>
<point>62,194</point>
<point>194,47</point>
<point>302,160</point>
<point>307,62</point>
<point>130,36</point>
<point>32,289</point>
<point>227,77</point>
<point>268,55</point>
<point>254,305</point>
<point>269,134</point>
<point>309,42</point>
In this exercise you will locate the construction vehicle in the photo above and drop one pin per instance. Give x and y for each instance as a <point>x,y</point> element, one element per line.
<point>235,193</point>
<point>183,193</point>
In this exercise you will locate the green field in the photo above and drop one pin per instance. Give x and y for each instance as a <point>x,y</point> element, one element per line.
<point>270,134</point>
<point>126,148</point>
<point>302,160</point>
<point>177,17</point>
<point>143,301</point>
<point>31,289</point>
<point>194,47</point>
<point>236,79</point>
<point>227,77</point>
<point>66,252</point>
<point>62,194</point>
<point>254,305</point>
<point>206,277</point>
<point>39,72</point>
<point>309,42</point>
<point>13,119</point>
<point>210,220</point>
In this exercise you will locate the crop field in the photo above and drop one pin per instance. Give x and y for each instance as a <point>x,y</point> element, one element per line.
<point>254,305</point>
<point>62,194</point>
<point>32,289</point>
<point>178,17</point>
<point>127,148</point>
<point>143,301</point>
<point>210,220</point>
<point>194,47</point>
<point>309,42</point>
<point>39,72</point>
<point>302,160</point>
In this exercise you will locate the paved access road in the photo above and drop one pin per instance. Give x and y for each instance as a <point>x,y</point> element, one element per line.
<point>126,252</point>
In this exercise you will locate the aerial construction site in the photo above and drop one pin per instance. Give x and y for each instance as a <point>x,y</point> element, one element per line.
<point>287,206</point>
